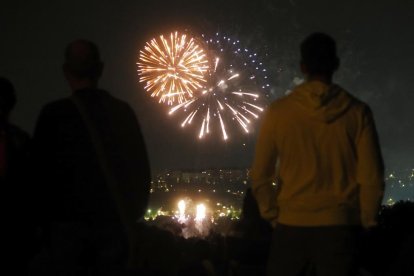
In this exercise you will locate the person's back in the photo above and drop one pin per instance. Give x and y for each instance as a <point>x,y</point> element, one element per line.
<point>67,152</point>
<point>320,132</point>
<point>19,231</point>
<point>91,162</point>
<point>14,142</point>
<point>329,167</point>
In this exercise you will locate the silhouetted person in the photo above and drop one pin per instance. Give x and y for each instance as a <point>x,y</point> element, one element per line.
<point>251,225</point>
<point>319,145</point>
<point>388,249</point>
<point>255,226</point>
<point>14,142</point>
<point>92,170</point>
<point>19,235</point>
<point>249,239</point>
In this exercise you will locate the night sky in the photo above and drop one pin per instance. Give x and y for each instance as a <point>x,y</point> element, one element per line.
<point>375,43</point>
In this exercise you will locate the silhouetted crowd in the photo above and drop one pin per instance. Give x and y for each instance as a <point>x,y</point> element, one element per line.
<point>75,194</point>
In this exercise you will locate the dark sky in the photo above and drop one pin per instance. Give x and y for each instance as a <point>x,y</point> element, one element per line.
<point>375,42</point>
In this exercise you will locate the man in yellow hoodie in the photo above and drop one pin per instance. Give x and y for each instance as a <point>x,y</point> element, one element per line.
<point>318,171</point>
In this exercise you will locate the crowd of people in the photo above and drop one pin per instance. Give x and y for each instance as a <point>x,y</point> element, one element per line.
<point>313,208</point>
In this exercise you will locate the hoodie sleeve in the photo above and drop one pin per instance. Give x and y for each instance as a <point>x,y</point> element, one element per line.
<point>263,170</point>
<point>370,171</point>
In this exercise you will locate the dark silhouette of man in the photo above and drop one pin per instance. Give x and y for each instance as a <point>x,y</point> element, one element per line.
<point>93,172</point>
<point>14,142</point>
<point>319,147</point>
<point>19,230</point>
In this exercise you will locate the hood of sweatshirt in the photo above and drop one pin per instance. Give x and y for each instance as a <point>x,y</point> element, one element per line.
<point>321,101</point>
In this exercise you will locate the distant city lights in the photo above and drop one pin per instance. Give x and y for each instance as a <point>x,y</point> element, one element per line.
<point>221,191</point>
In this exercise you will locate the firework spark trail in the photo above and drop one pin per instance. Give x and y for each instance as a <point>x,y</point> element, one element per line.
<point>255,106</point>
<point>234,76</point>
<point>202,129</point>
<point>220,105</point>
<point>191,119</point>
<point>225,137</point>
<point>172,68</point>
<point>208,120</point>
<point>239,118</point>
<point>186,119</point>
<point>184,104</point>
<point>247,94</point>
<point>216,64</point>
<point>248,111</point>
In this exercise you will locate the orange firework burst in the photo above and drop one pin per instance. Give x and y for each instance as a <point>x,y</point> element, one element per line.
<point>172,68</point>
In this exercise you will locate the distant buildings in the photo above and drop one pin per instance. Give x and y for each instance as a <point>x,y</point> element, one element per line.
<point>223,189</point>
<point>211,180</point>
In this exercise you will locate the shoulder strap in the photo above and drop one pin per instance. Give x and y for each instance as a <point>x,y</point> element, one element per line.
<point>110,178</point>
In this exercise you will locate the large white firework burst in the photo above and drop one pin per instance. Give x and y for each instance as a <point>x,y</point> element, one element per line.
<point>233,94</point>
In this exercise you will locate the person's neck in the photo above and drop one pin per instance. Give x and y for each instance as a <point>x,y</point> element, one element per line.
<point>76,85</point>
<point>322,78</point>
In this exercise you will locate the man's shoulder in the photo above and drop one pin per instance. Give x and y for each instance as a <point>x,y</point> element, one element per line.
<point>56,112</point>
<point>63,104</point>
<point>117,105</point>
<point>59,105</point>
<point>357,104</point>
<point>280,104</point>
<point>97,101</point>
<point>116,101</point>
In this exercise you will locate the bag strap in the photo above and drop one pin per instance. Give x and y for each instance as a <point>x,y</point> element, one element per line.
<point>110,178</point>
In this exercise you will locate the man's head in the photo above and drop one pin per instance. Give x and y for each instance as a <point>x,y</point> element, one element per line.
<point>82,62</point>
<point>7,99</point>
<point>318,56</point>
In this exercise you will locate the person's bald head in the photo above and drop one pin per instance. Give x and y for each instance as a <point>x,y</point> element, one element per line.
<point>82,60</point>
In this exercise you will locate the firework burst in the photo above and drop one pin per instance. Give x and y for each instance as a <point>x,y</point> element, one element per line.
<point>236,81</point>
<point>173,68</point>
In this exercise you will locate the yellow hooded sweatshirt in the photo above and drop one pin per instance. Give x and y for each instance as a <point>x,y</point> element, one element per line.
<point>329,166</point>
